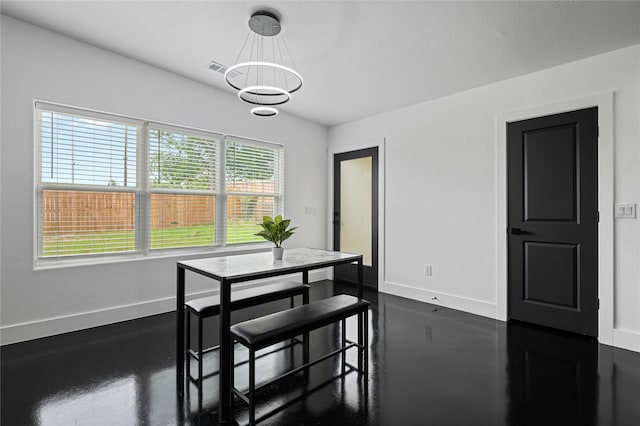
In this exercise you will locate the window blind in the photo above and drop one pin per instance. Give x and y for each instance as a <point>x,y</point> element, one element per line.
<point>253,185</point>
<point>184,184</point>
<point>86,184</point>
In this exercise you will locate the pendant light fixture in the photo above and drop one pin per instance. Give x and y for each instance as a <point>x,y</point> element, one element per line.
<point>264,73</point>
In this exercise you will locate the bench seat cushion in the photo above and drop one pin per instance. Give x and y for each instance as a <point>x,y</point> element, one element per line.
<point>279,326</point>
<point>208,306</point>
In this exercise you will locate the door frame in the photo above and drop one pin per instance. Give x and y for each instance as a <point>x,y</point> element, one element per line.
<point>604,102</point>
<point>355,146</point>
<point>349,271</point>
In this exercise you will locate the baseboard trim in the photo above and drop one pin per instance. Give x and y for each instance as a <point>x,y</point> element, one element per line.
<point>473,306</point>
<point>626,339</point>
<point>16,333</point>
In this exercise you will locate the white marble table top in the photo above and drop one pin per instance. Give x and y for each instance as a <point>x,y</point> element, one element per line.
<point>244,266</point>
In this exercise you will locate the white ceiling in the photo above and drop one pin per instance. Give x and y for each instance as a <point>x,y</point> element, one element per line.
<point>358,58</point>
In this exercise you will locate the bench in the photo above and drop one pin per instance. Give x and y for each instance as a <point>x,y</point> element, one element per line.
<point>206,307</point>
<point>268,330</point>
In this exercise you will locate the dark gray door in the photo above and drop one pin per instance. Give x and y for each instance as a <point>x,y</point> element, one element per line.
<point>355,216</point>
<point>552,189</point>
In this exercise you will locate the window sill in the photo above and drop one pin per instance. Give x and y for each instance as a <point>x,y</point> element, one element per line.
<point>46,264</point>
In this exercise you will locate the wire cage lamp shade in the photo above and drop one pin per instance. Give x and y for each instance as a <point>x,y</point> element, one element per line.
<point>264,73</point>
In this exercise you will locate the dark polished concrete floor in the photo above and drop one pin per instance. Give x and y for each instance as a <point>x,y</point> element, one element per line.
<point>428,366</point>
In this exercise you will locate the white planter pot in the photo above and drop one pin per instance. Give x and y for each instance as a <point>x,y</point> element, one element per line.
<point>277,252</point>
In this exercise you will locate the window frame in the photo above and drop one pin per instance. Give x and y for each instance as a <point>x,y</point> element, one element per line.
<point>143,190</point>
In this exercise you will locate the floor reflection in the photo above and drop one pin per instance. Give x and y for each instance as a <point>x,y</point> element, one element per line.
<point>553,377</point>
<point>114,403</point>
<point>428,366</point>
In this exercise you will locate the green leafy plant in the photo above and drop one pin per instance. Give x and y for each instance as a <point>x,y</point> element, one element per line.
<point>275,229</point>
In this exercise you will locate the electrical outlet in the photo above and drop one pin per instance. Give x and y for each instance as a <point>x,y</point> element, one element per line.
<point>428,270</point>
<point>625,211</point>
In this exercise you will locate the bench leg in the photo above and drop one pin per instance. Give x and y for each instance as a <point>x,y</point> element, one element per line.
<point>365,343</point>
<point>305,336</point>
<point>252,385</point>
<point>343,323</point>
<point>187,326</point>
<point>292,351</point>
<point>200,361</point>
<point>360,340</point>
<point>232,380</point>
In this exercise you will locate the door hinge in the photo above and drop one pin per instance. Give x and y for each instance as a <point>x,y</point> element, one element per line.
<point>598,131</point>
<point>598,216</point>
<point>598,303</point>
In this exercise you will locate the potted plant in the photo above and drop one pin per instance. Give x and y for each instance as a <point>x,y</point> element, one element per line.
<point>275,230</point>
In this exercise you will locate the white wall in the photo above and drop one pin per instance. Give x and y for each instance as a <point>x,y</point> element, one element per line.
<point>441,167</point>
<point>37,64</point>
<point>440,163</point>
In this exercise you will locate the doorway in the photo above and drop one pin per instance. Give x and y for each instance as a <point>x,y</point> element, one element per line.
<point>355,215</point>
<point>552,200</point>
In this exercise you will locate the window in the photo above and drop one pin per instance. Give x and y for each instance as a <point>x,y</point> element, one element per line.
<point>183,187</point>
<point>253,180</point>
<point>87,194</point>
<point>109,185</point>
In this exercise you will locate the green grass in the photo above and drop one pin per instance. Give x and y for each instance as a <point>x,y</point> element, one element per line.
<point>161,238</point>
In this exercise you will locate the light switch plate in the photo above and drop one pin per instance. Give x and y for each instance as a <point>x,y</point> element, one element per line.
<point>625,211</point>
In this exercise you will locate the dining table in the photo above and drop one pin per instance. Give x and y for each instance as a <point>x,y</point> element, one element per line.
<point>232,269</point>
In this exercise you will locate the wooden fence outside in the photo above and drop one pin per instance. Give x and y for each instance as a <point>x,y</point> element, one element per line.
<point>72,211</point>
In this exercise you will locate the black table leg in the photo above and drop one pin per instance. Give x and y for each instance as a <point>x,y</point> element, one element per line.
<point>360,279</point>
<point>361,317</point>
<point>180,332</point>
<point>226,346</point>
<point>305,336</point>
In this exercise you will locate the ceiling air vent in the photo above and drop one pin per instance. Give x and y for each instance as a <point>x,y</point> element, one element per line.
<point>214,66</point>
